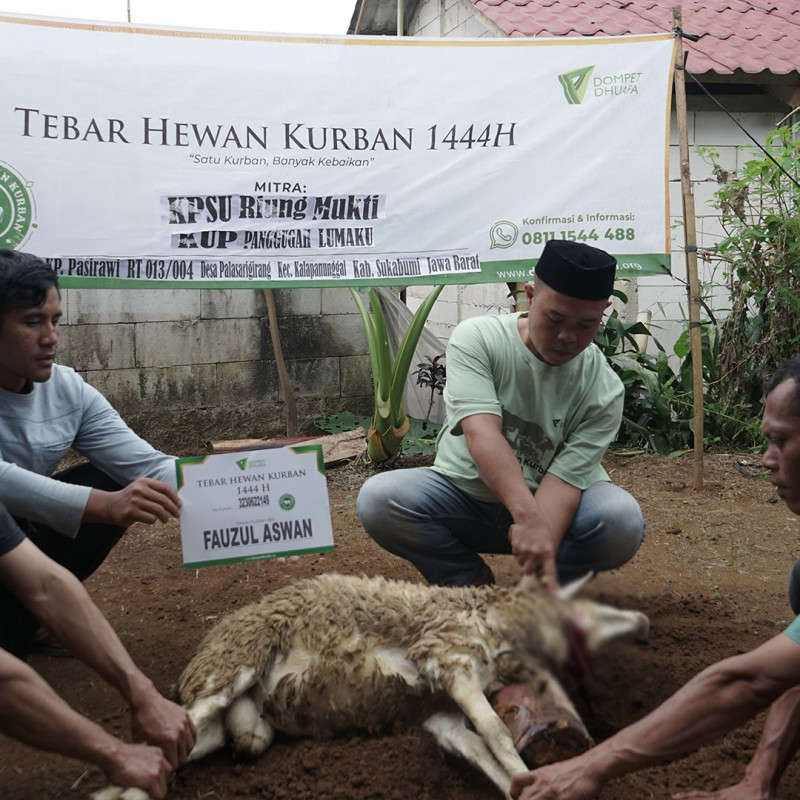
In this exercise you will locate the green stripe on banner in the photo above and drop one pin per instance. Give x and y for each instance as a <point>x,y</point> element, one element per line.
<point>628,266</point>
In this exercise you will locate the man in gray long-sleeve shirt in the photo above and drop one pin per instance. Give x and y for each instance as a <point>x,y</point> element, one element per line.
<point>78,515</point>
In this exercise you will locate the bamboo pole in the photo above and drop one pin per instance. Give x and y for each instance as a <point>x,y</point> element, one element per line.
<point>690,234</point>
<point>280,364</point>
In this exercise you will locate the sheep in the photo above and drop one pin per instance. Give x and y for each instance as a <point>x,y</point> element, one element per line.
<point>337,653</point>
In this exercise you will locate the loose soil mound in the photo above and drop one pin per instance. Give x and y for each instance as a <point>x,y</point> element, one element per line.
<point>711,575</point>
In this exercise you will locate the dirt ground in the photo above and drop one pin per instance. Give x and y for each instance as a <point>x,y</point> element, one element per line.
<point>711,575</point>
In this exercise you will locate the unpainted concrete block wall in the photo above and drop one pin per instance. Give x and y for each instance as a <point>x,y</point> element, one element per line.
<point>198,364</point>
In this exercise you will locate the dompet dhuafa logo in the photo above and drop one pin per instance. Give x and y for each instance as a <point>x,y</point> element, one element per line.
<point>17,210</point>
<point>575,84</point>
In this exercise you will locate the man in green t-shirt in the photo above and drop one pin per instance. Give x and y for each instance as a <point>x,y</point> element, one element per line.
<point>725,694</point>
<point>531,406</point>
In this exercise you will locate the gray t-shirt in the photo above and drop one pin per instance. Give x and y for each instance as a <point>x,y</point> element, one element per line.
<point>38,428</point>
<point>557,419</point>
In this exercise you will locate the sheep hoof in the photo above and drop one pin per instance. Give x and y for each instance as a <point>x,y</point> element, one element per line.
<point>250,733</point>
<point>134,794</point>
<point>112,792</point>
<point>251,746</point>
<point>109,792</point>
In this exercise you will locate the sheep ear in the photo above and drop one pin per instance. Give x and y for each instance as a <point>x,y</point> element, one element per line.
<point>570,590</point>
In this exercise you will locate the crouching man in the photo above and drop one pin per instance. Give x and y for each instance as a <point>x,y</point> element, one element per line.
<point>76,515</point>
<point>531,407</point>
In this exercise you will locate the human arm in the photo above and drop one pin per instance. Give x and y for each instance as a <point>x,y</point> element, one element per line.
<point>31,712</point>
<point>779,742</point>
<point>740,687</point>
<point>39,429</point>
<point>540,519</point>
<point>58,600</point>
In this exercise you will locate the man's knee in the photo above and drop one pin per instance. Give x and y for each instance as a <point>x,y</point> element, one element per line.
<point>609,528</point>
<point>394,506</point>
<point>373,502</point>
<point>616,510</point>
<point>629,520</point>
<point>86,474</point>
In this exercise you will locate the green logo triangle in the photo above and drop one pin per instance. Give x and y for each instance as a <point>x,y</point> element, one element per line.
<point>241,463</point>
<point>575,84</point>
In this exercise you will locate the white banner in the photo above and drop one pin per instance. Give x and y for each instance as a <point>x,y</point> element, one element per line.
<point>138,156</point>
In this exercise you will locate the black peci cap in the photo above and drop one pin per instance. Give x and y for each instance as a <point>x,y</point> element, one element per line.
<point>577,269</point>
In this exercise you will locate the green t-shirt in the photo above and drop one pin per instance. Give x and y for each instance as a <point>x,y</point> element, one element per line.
<point>557,419</point>
<point>793,631</point>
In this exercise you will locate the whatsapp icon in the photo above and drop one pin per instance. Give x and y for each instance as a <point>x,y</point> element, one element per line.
<point>503,234</point>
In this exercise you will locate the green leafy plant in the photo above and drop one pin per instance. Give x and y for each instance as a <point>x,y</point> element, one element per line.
<point>760,252</point>
<point>432,374</point>
<point>341,422</point>
<point>421,437</point>
<point>649,418</point>
<point>390,423</point>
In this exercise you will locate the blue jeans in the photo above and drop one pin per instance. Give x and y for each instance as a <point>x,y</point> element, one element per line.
<point>421,516</point>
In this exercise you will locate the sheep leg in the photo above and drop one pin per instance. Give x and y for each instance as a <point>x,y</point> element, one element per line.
<point>454,737</point>
<point>206,714</point>
<point>466,691</point>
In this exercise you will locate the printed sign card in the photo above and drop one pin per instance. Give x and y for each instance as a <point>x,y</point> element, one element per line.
<point>253,504</point>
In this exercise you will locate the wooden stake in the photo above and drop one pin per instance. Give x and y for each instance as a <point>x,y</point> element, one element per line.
<point>280,364</point>
<point>690,234</point>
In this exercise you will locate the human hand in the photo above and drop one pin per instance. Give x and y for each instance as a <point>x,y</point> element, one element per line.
<point>160,722</point>
<point>564,780</point>
<point>145,500</point>
<point>535,555</point>
<point>740,791</point>
<point>140,766</point>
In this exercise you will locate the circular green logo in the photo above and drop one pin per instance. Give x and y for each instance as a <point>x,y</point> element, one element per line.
<point>286,502</point>
<point>17,210</point>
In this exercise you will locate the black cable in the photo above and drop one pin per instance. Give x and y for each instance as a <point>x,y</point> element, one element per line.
<point>694,38</point>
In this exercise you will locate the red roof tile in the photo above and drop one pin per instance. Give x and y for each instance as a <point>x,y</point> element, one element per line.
<point>752,37</point>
